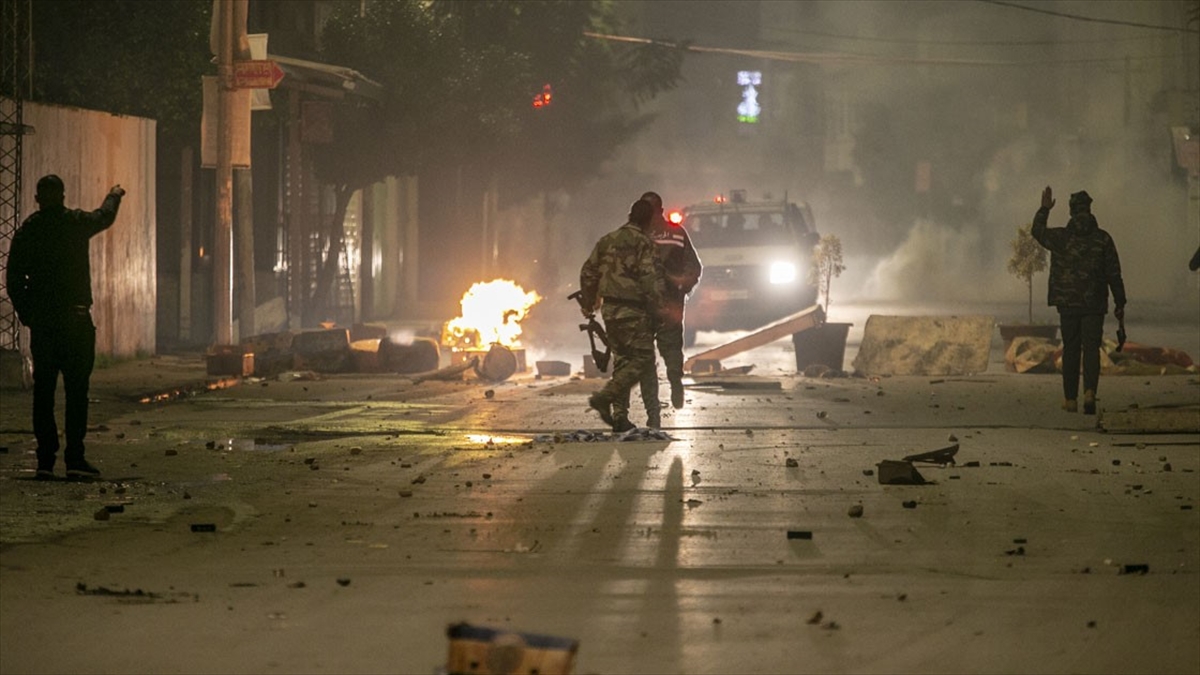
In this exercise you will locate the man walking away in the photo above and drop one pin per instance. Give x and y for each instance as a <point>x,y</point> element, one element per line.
<point>1083,268</point>
<point>683,269</point>
<point>623,278</point>
<point>50,283</point>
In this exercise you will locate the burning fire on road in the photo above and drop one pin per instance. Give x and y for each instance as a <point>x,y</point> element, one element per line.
<point>491,319</point>
<point>491,314</point>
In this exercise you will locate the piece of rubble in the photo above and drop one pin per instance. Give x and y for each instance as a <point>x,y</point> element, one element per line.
<point>791,463</point>
<point>799,534</point>
<point>816,617</point>
<point>101,514</point>
<point>942,456</point>
<point>343,581</point>
<point>856,511</point>
<point>204,527</point>
<point>1135,569</point>
<point>893,472</point>
<point>910,504</point>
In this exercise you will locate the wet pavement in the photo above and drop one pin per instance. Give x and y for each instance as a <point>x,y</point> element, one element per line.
<point>339,525</point>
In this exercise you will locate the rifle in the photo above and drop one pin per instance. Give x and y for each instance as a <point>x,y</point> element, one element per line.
<point>594,330</point>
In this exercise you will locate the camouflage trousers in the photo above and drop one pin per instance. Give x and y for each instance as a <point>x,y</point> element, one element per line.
<point>631,338</point>
<point>669,337</point>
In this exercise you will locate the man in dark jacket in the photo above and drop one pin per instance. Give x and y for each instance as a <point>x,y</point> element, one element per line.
<point>50,283</point>
<point>1083,268</point>
<point>683,269</point>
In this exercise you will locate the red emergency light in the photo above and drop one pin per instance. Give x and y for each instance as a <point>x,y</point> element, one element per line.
<point>675,217</point>
<point>543,99</point>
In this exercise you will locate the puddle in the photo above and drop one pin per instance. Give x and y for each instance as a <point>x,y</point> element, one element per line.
<point>496,440</point>
<point>252,445</point>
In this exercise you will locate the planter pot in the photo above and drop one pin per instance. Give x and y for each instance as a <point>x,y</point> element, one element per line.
<point>1011,331</point>
<point>824,345</point>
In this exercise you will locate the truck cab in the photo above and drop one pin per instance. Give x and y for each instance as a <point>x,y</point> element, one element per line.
<point>756,257</point>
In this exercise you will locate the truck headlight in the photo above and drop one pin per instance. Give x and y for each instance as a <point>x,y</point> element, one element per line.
<point>782,273</point>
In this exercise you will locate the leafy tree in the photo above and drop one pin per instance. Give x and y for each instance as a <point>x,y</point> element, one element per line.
<point>826,265</point>
<point>125,56</point>
<point>1028,258</point>
<point>460,78</point>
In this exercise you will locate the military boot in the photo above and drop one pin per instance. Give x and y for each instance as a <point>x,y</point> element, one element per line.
<point>676,393</point>
<point>1089,402</point>
<point>1070,405</point>
<point>654,419</point>
<point>602,405</point>
<point>621,424</point>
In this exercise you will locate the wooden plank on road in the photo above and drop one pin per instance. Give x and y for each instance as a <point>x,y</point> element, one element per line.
<point>800,321</point>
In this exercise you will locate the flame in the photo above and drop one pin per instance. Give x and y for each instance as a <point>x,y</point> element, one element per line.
<point>491,314</point>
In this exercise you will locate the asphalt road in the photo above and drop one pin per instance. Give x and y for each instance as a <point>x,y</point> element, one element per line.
<point>354,517</point>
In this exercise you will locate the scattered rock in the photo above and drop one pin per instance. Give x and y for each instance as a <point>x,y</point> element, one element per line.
<point>356,450</point>
<point>868,472</point>
<point>204,527</point>
<point>343,581</point>
<point>821,415</point>
<point>1135,569</point>
<point>419,479</point>
<point>1167,466</point>
<point>816,617</point>
<point>101,514</point>
<point>171,453</point>
<point>406,493</point>
<point>489,393</point>
<point>1020,550</point>
<point>910,504</point>
<point>855,511</point>
<point>1116,462</point>
<point>799,534</point>
<point>952,438</point>
<point>791,463</point>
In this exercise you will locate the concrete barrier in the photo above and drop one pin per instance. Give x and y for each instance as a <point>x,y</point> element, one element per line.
<point>925,345</point>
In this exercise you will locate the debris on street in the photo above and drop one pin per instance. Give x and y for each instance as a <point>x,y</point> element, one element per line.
<point>899,472</point>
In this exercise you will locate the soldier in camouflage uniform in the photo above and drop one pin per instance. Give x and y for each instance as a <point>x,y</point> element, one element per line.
<point>624,279</point>
<point>1083,267</point>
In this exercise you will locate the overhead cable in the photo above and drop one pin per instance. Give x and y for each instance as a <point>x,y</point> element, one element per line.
<point>1077,17</point>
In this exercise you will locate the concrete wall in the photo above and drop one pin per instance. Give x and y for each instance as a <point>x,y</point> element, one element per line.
<point>92,151</point>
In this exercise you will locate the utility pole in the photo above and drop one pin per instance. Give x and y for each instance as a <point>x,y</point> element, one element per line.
<point>223,238</point>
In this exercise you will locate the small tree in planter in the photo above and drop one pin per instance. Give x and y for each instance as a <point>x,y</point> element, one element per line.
<point>1028,258</point>
<point>826,266</point>
<point>822,350</point>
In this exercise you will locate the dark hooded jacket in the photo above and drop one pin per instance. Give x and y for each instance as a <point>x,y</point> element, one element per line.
<point>49,267</point>
<point>1083,264</point>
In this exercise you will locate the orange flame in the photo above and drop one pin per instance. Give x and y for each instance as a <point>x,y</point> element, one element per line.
<point>491,314</point>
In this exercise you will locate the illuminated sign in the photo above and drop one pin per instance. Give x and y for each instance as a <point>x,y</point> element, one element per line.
<point>749,109</point>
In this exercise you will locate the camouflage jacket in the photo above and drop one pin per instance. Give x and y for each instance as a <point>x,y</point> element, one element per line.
<point>624,272</point>
<point>1083,264</point>
<point>680,262</point>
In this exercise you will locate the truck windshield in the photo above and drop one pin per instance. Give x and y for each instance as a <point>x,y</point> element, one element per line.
<point>739,228</point>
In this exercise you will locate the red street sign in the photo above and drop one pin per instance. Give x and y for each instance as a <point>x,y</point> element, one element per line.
<point>260,74</point>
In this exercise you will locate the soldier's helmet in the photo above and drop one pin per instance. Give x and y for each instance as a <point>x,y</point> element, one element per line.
<point>1080,201</point>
